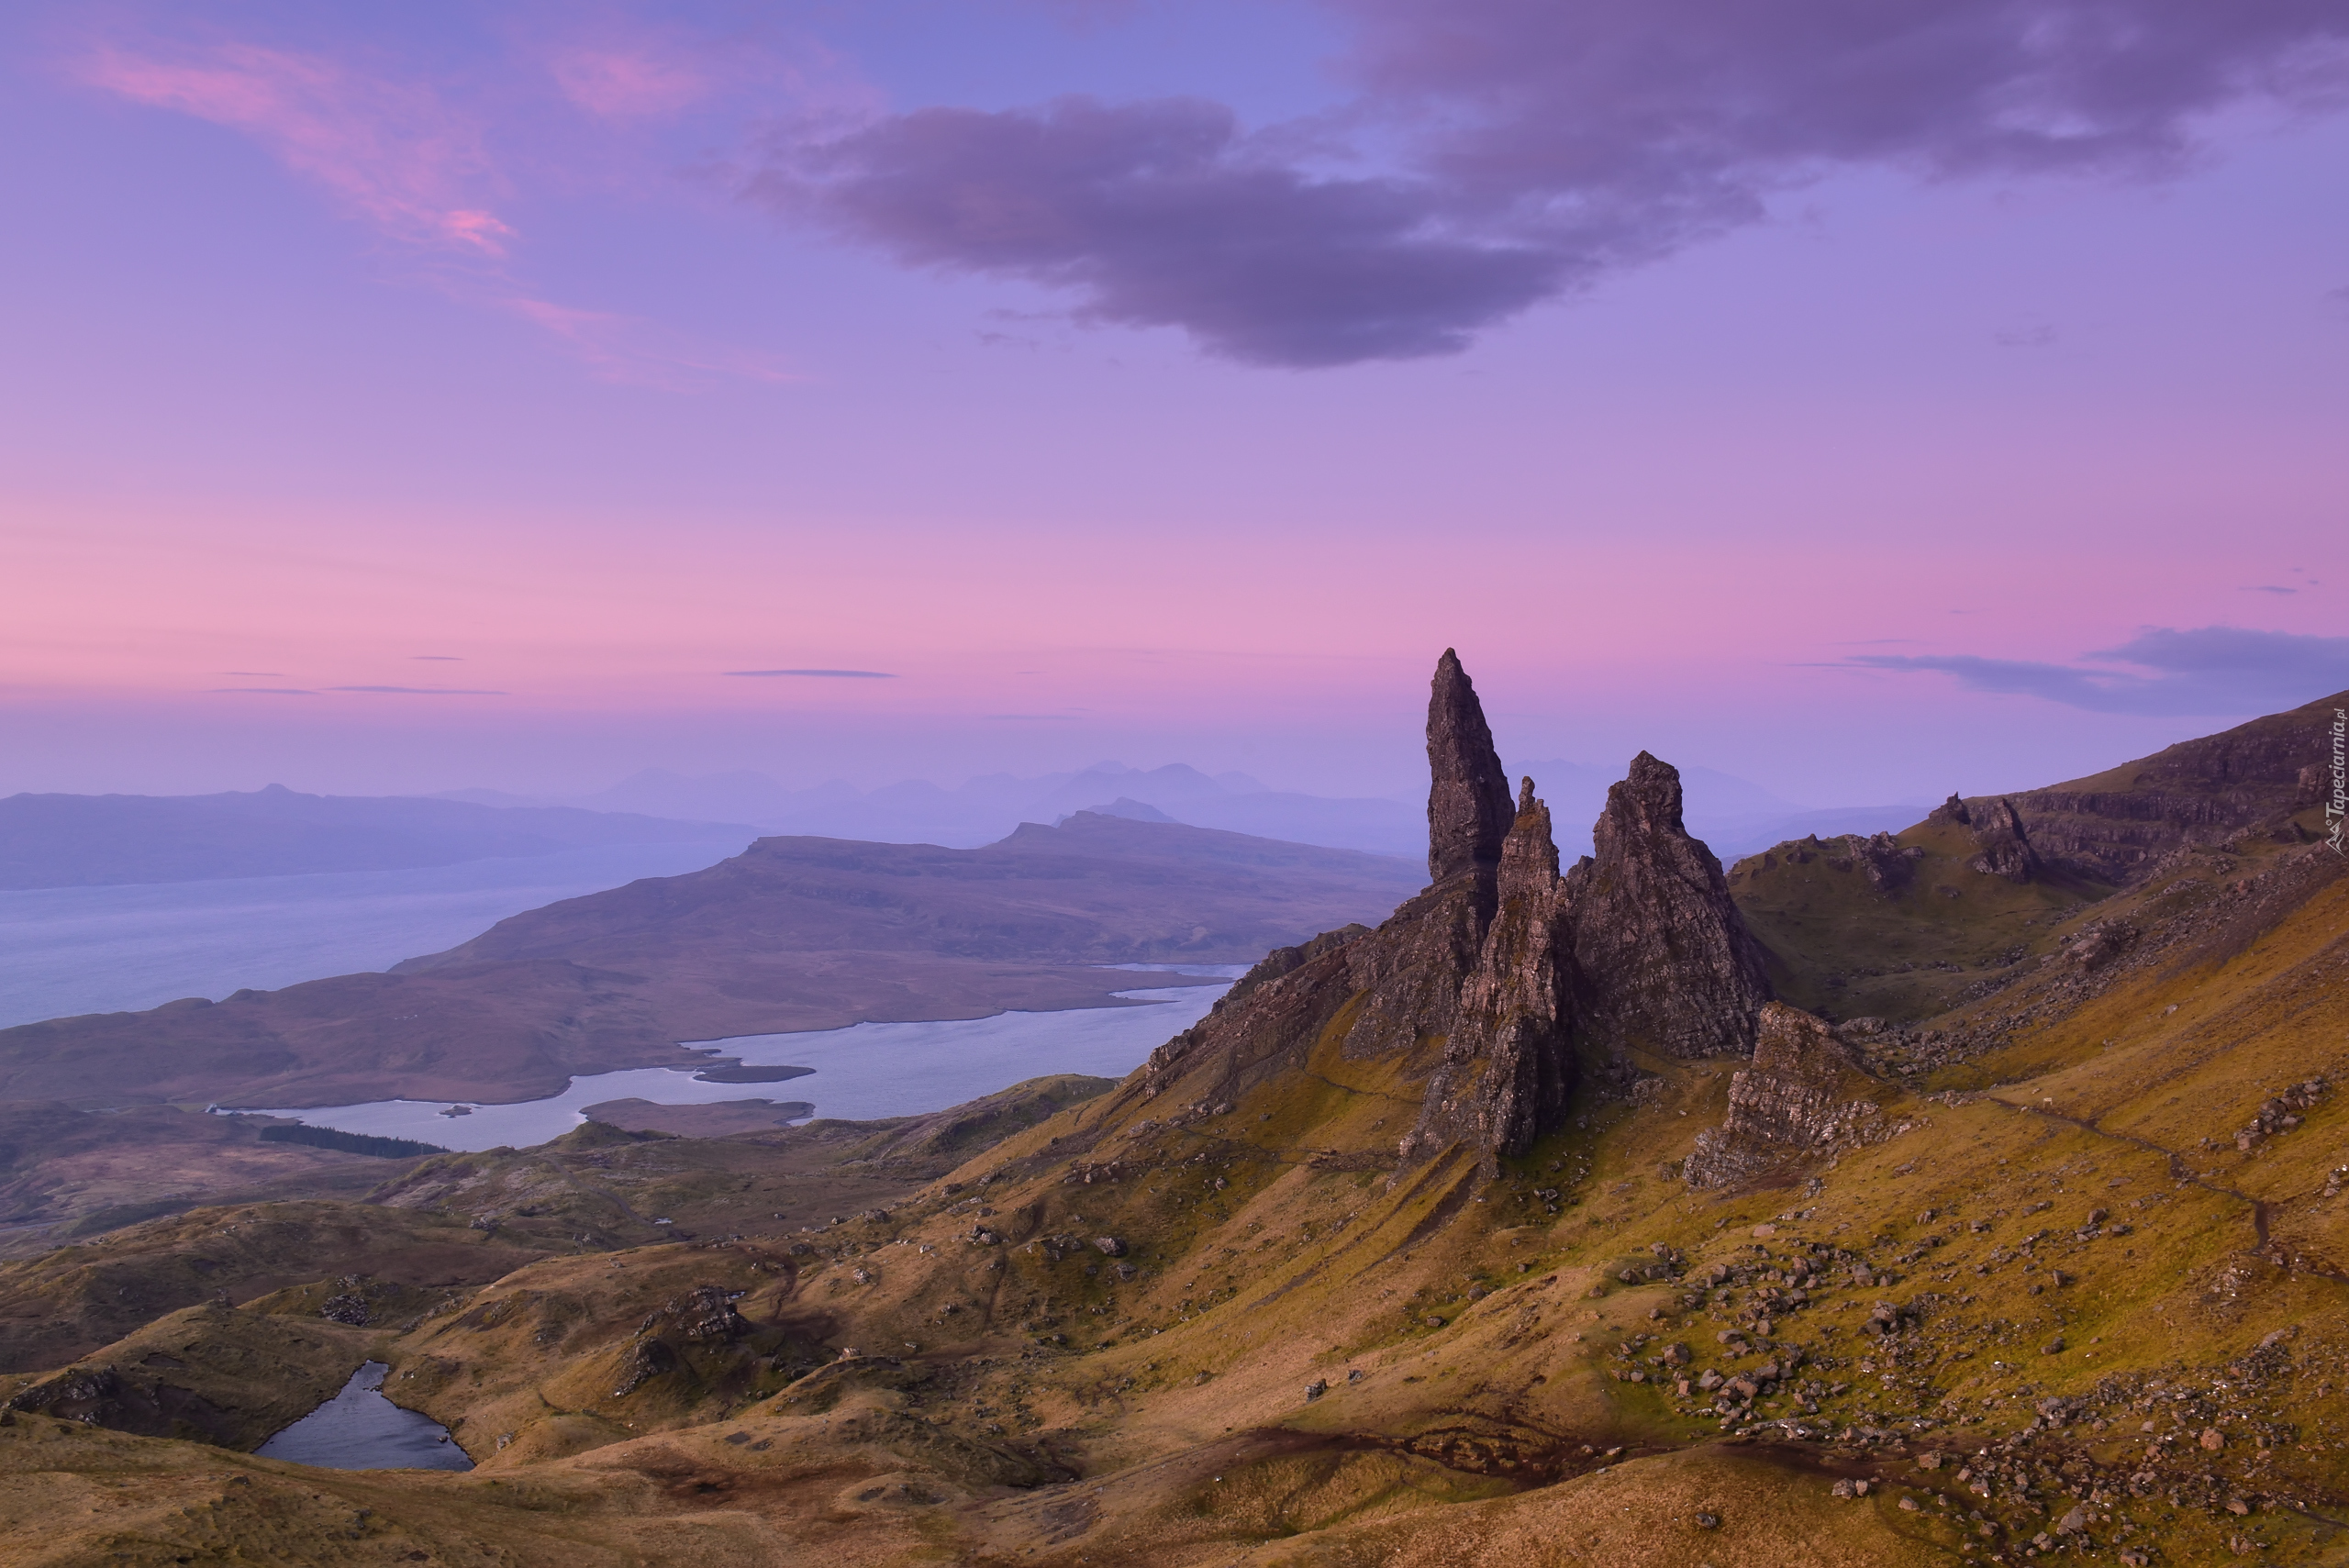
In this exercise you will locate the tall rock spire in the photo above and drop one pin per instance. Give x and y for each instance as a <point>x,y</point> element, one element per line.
<point>1661,958</point>
<point>1469,811</point>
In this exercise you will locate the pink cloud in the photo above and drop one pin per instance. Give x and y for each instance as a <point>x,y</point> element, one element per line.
<point>394,153</point>
<point>391,151</point>
<point>626,83</point>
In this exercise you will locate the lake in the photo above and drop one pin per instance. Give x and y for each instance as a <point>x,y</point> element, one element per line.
<point>861,1073</point>
<point>361,1430</point>
<point>102,950</point>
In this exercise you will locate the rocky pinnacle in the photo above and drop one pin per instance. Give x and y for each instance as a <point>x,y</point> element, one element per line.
<point>1661,958</point>
<point>1469,810</point>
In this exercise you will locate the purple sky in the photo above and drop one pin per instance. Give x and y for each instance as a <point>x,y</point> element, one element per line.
<point>1869,399</point>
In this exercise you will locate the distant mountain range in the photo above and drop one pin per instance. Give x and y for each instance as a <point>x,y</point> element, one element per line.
<point>101,841</point>
<point>85,840</point>
<point>1733,815</point>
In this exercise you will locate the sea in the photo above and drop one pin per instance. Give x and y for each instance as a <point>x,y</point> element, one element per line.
<point>862,1073</point>
<point>65,950</point>
<point>97,949</point>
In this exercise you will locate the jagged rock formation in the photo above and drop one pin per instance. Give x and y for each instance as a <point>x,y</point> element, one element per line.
<point>1487,983</point>
<point>1887,865</point>
<point>1998,832</point>
<point>1661,958</point>
<point>1803,1096</point>
<point>1468,807</point>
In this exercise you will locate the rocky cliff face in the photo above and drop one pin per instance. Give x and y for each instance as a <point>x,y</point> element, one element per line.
<point>1485,984</point>
<point>2111,827</point>
<point>1661,958</point>
<point>1803,1096</point>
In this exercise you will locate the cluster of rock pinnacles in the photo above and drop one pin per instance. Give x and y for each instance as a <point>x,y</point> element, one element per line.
<point>1503,973</point>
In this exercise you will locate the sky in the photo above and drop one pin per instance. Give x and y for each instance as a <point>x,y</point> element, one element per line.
<point>1869,400</point>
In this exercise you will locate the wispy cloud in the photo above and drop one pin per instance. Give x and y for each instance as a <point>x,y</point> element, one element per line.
<point>2208,670</point>
<point>823,674</point>
<point>393,152</point>
<point>625,80</point>
<point>262,691</point>
<point>389,150</point>
<point>418,691</point>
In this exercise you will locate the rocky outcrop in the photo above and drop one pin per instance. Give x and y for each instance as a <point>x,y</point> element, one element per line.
<point>1803,1096</point>
<point>1468,804</point>
<point>2002,845</point>
<point>2005,848</point>
<point>1889,867</point>
<point>1662,960</point>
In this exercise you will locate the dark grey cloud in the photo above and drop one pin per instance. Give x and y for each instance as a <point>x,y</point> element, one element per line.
<point>436,658</point>
<point>418,691</point>
<point>262,691</point>
<point>2209,669</point>
<point>1158,215</point>
<point>823,674</point>
<point>1532,146</point>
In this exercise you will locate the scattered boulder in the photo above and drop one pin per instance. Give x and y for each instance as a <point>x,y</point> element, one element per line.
<point>350,1308</point>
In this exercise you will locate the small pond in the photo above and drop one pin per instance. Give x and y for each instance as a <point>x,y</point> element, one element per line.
<point>361,1430</point>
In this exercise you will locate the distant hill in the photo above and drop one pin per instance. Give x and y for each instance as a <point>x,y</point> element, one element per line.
<point>93,840</point>
<point>794,933</point>
<point>985,808</point>
<point>1735,815</point>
